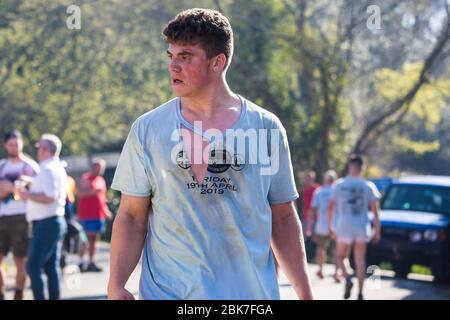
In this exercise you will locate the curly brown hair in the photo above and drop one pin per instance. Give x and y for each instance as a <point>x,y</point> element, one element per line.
<point>356,159</point>
<point>206,27</point>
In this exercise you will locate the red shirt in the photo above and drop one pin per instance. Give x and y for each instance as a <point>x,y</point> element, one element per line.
<point>93,207</point>
<point>307,196</point>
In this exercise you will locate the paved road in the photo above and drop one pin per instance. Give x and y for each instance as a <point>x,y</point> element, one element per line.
<point>380,285</point>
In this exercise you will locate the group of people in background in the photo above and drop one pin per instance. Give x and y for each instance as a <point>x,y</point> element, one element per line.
<point>340,211</point>
<point>37,204</point>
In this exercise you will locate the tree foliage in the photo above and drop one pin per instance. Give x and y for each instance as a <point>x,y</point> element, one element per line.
<point>337,86</point>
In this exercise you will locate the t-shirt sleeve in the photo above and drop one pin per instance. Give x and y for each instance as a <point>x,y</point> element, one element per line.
<point>334,191</point>
<point>31,169</point>
<point>282,185</point>
<point>374,194</point>
<point>2,166</point>
<point>131,176</point>
<point>315,199</point>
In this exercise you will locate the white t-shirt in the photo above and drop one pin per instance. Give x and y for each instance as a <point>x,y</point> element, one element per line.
<point>353,196</point>
<point>12,171</point>
<point>51,181</point>
<point>321,198</point>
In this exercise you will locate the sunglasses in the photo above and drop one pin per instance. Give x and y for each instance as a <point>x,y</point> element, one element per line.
<point>40,146</point>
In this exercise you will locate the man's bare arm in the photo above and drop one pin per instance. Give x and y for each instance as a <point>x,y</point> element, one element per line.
<point>88,193</point>
<point>312,217</point>
<point>330,216</point>
<point>6,188</point>
<point>84,190</point>
<point>375,205</point>
<point>127,242</point>
<point>36,197</point>
<point>289,248</point>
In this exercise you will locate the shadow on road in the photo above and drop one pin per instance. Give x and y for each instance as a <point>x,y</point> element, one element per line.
<point>419,291</point>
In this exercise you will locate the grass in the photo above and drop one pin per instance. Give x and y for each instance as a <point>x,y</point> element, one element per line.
<point>386,266</point>
<point>416,268</point>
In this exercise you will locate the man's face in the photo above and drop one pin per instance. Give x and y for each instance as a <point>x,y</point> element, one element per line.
<point>190,70</point>
<point>98,169</point>
<point>354,169</point>
<point>13,147</point>
<point>309,180</point>
<point>328,180</point>
<point>43,151</point>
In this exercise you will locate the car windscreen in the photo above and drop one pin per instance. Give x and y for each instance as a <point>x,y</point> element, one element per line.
<point>417,198</point>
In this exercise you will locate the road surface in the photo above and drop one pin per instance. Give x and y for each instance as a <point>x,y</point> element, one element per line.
<point>381,285</point>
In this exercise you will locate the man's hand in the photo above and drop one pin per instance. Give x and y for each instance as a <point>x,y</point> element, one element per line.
<point>309,232</point>
<point>109,215</point>
<point>24,195</point>
<point>377,236</point>
<point>332,233</point>
<point>119,293</point>
<point>26,179</point>
<point>289,249</point>
<point>85,190</point>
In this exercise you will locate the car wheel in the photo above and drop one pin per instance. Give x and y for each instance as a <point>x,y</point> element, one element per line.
<point>372,258</point>
<point>441,271</point>
<point>401,269</point>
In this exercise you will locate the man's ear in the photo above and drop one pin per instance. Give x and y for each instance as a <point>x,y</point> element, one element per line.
<point>219,62</point>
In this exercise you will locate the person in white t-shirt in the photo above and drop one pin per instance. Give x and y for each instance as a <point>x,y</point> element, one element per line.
<point>13,224</point>
<point>46,201</point>
<point>352,197</point>
<point>318,222</point>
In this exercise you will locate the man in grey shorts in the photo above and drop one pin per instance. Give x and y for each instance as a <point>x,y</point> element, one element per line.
<point>13,224</point>
<point>352,196</point>
<point>319,222</point>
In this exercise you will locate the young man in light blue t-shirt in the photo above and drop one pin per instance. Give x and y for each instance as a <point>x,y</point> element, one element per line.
<point>214,171</point>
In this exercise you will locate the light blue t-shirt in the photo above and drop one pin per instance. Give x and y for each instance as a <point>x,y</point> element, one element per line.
<point>208,240</point>
<point>321,198</point>
<point>353,196</point>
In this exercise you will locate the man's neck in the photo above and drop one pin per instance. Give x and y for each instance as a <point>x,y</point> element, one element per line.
<point>15,160</point>
<point>206,106</point>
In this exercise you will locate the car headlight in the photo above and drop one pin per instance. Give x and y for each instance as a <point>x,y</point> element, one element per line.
<point>430,235</point>
<point>415,236</point>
